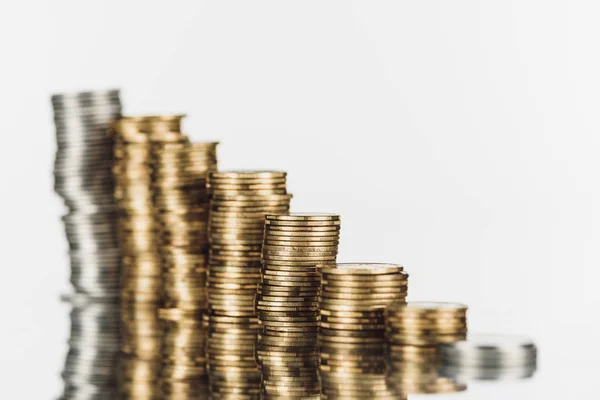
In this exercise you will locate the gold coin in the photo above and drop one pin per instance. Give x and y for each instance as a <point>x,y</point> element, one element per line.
<point>303,217</point>
<point>362,269</point>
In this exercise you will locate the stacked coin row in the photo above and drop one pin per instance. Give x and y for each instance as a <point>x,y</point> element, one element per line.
<point>239,201</point>
<point>352,332</point>
<point>180,197</point>
<point>489,357</point>
<point>414,331</point>
<point>83,178</point>
<point>141,280</point>
<point>287,302</point>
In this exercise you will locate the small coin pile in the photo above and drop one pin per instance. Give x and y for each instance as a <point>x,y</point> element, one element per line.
<point>287,302</point>
<point>239,201</point>
<point>83,178</point>
<point>352,329</point>
<point>489,357</point>
<point>179,187</point>
<point>414,331</point>
<point>141,278</point>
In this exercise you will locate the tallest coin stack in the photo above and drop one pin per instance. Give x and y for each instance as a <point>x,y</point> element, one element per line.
<point>83,178</point>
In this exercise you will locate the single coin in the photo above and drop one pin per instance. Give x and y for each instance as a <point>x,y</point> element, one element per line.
<point>291,283</point>
<point>362,269</point>
<point>236,174</point>
<point>301,230</point>
<point>301,224</point>
<point>303,217</point>
<point>428,307</point>
<point>364,285</point>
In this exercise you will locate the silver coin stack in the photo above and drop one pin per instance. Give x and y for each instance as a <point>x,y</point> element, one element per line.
<point>489,357</point>
<point>83,178</point>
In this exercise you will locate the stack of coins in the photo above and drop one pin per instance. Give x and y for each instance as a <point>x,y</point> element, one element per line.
<point>489,357</point>
<point>141,280</point>
<point>239,201</point>
<point>179,183</point>
<point>352,334</point>
<point>287,302</point>
<point>414,332</point>
<point>83,178</point>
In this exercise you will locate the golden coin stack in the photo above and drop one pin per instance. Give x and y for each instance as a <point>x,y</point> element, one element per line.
<point>141,279</point>
<point>239,201</point>
<point>352,330</point>
<point>179,186</point>
<point>183,372</point>
<point>414,330</point>
<point>287,302</point>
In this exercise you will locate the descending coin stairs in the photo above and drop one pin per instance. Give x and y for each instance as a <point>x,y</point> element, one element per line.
<point>238,204</point>
<point>194,283</point>
<point>414,331</point>
<point>352,333</point>
<point>83,178</point>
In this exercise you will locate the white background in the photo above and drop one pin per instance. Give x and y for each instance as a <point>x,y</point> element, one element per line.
<point>459,138</point>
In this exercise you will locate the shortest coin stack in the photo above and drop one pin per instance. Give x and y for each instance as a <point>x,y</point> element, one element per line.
<point>287,302</point>
<point>352,330</point>
<point>414,331</point>
<point>489,357</point>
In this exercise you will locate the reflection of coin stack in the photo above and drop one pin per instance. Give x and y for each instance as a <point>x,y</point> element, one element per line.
<point>287,302</point>
<point>83,179</point>
<point>141,280</point>
<point>414,331</point>
<point>93,349</point>
<point>239,202</point>
<point>489,357</point>
<point>352,333</point>
<point>179,174</point>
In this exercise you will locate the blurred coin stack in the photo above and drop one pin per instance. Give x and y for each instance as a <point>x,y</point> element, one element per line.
<point>141,278</point>
<point>489,357</point>
<point>83,178</point>
<point>183,372</point>
<point>179,183</point>
<point>239,201</point>
<point>287,302</point>
<point>94,346</point>
<point>352,331</point>
<point>414,331</point>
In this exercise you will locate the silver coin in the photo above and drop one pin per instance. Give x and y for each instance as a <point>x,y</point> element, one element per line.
<point>471,373</point>
<point>83,98</point>
<point>83,177</point>
<point>489,350</point>
<point>94,348</point>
